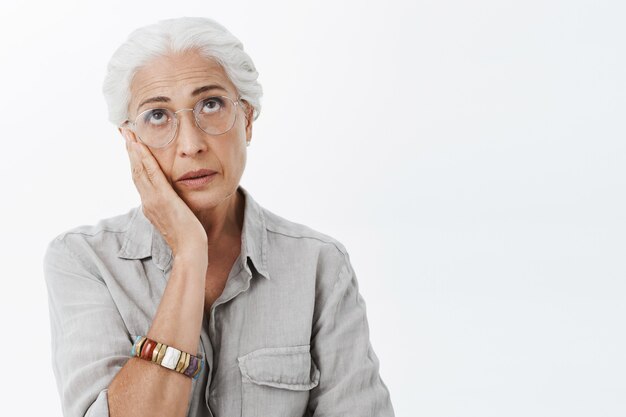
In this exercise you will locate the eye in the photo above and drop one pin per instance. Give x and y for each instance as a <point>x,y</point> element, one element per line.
<point>212,105</point>
<point>156,117</point>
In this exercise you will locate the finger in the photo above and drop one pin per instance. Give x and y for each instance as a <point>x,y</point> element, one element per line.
<point>151,166</point>
<point>126,141</point>
<point>140,178</point>
<point>128,137</point>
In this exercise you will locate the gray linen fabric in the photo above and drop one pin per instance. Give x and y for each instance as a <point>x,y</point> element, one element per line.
<point>288,337</point>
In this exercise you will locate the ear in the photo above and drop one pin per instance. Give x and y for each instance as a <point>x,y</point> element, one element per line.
<point>249,112</point>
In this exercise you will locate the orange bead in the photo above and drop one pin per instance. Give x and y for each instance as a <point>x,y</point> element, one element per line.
<point>148,348</point>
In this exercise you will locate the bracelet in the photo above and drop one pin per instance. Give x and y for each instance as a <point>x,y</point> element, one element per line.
<point>168,357</point>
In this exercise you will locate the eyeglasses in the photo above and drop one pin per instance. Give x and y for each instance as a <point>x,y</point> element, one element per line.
<point>214,115</point>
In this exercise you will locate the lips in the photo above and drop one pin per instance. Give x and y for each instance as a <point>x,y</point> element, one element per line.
<point>196,174</point>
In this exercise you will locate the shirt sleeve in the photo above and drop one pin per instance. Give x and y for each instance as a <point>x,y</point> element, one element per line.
<point>350,384</point>
<point>89,340</point>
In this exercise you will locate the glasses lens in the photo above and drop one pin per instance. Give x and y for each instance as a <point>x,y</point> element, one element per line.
<point>155,127</point>
<point>215,115</point>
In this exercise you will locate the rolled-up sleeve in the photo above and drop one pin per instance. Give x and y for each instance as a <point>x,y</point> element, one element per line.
<point>350,383</point>
<point>90,342</point>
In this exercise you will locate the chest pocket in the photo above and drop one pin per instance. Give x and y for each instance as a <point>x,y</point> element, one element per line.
<point>276,381</point>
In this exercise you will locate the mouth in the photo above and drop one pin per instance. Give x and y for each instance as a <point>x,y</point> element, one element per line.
<point>198,182</point>
<point>197,174</point>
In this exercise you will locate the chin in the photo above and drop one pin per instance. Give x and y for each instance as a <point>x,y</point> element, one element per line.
<point>200,200</point>
<point>203,199</point>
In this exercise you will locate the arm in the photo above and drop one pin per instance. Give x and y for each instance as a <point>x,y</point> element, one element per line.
<point>350,384</point>
<point>91,346</point>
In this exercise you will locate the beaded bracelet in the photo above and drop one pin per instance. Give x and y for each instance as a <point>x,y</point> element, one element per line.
<point>168,357</point>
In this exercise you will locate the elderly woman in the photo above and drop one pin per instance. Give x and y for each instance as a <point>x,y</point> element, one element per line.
<point>201,302</point>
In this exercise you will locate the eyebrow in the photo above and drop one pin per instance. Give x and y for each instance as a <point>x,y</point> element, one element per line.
<point>199,90</point>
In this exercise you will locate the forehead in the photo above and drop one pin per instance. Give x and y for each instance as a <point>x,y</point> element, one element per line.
<point>175,76</point>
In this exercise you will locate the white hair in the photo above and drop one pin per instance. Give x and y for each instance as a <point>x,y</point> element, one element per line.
<point>206,35</point>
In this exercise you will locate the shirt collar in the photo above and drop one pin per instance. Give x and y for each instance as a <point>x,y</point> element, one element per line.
<point>143,240</point>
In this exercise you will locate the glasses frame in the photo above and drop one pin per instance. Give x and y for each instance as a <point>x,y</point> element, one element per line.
<point>236,105</point>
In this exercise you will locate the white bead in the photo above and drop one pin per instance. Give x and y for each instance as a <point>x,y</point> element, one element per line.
<point>171,357</point>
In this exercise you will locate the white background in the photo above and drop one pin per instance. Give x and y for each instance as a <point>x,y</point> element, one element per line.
<point>469,155</point>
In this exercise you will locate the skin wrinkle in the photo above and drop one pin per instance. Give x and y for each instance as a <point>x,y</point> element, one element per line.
<point>142,92</point>
<point>217,205</point>
<point>196,93</point>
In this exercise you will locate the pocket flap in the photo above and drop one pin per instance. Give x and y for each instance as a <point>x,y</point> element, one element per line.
<point>288,367</point>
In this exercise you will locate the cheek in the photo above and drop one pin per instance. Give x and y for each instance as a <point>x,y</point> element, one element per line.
<point>166,162</point>
<point>232,155</point>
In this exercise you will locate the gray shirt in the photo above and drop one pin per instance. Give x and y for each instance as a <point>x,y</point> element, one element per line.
<point>288,336</point>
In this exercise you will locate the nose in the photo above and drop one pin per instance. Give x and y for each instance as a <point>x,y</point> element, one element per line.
<point>191,139</point>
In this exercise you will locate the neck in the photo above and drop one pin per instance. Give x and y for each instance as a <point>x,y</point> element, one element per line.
<point>224,221</point>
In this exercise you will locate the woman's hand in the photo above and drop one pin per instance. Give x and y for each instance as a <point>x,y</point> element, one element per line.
<point>179,226</point>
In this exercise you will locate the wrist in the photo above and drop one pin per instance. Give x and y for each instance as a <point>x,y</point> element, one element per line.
<point>193,255</point>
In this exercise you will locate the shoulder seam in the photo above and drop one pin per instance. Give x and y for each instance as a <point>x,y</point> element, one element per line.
<point>308,237</point>
<point>99,230</point>
<point>75,258</point>
<point>78,232</point>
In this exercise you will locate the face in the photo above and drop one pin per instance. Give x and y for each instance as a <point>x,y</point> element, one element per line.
<point>175,77</point>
